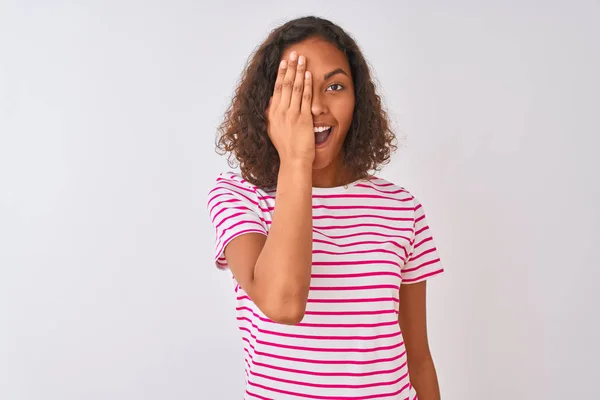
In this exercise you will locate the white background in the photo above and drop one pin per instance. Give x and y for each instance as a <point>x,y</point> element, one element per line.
<point>108,111</point>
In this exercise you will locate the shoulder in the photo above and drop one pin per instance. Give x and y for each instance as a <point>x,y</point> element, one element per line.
<point>379,186</point>
<point>231,184</point>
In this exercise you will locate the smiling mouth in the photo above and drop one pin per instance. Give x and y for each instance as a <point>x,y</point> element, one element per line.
<point>321,137</point>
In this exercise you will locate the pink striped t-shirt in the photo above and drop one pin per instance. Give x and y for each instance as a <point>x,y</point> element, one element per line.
<point>368,239</point>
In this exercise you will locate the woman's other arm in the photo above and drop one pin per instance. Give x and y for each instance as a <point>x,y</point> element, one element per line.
<point>413,323</point>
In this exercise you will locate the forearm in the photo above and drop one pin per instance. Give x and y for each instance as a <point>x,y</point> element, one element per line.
<point>424,378</point>
<point>284,264</point>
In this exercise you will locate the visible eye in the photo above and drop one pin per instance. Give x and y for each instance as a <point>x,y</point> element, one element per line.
<point>340,87</point>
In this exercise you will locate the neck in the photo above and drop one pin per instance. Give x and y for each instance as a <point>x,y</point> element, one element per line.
<point>335,174</point>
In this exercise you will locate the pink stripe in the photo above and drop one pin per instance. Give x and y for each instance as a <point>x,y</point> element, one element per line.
<point>257,396</point>
<point>351,207</point>
<point>343,288</point>
<point>423,229</point>
<point>373,325</point>
<point>325,362</point>
<point>374,312</point>
<point>362,216</point>
<point>391,228</point>
<point>437,260</point>
<point>370,207</point>
<point>395,358</point>
<point>233,216</point>
<point>220,263</point>
<point>356,275</point>
<point>230,208</point>
<point>313,337</point>
<point>385,184</point>
<point>361,262</point>
<point>370,300</point>
<point>360,196</point>
<point>422,242</point>
<point>221,202</point>
<point>353,196</point>
<point>228,181</point>
<point>347,374</point>
<point>229,192</point>
<point>362,243</point>
<point>431,250</point>
<point>439,271</point>
<point>304,395</point>
<point>358,243</point>
<point>330,386</point>
<point>364,300</point>
<point>382,191</point>
<point>321,349</point>
<point>368,233</point>
<point>315,325</point>
<point>358,252</point>
<point>241,208</point>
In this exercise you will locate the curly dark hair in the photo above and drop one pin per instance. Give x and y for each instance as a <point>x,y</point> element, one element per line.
<point>243,132</point>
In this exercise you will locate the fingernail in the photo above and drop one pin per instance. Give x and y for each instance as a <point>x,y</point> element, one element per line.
<point>300,60</point>
<point>283,64</point>
<point>293,56</point>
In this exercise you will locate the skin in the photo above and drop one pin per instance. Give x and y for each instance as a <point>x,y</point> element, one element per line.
<point>412,318</point>
<point>275,270</point>
<point>332,104</point>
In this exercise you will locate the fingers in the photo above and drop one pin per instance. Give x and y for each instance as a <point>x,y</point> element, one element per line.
<point>288,82</point>
<point>298,87</point>
<point>278,84</point>
<point>307,94</point>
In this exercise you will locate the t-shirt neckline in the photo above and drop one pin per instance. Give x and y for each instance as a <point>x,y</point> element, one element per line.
<point>341,188</point>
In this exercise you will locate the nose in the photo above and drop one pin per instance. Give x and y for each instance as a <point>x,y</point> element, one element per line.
<point>318,105</point>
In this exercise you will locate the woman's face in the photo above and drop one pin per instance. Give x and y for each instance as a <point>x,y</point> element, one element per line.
<point>333,99</point>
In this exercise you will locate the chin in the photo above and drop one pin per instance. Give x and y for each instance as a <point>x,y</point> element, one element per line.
<point>321,163</point>
<point>324,160</point>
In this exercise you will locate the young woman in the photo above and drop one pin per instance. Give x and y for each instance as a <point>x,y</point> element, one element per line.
<point>329,262</point>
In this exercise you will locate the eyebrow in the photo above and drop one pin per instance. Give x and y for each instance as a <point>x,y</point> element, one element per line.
<point>334,72</point>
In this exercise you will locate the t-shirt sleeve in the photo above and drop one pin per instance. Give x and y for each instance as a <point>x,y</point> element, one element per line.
<point>423,260</point>
<point>233,208</point>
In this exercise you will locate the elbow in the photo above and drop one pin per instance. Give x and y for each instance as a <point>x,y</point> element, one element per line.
<point>288,311</point>
<point>283,299</point>
<point>288,317</point>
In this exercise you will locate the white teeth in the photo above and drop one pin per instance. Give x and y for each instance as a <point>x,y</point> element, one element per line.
<point>321,128</point>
